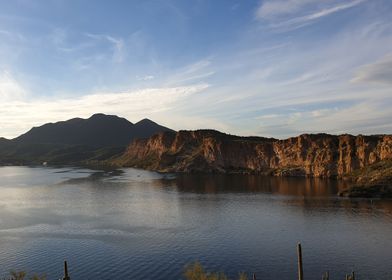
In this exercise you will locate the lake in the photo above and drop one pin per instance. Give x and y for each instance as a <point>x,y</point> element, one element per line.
<point>135,224</point>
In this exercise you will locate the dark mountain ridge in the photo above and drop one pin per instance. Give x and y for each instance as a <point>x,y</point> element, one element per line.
<point>76,140</point>
<point>99,130</point>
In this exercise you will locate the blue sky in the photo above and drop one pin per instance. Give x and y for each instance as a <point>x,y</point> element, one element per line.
<point>272,68</point>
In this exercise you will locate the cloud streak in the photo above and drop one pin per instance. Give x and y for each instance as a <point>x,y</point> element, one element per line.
<point>265,76</point>
<point>118,46</point>
<point>299,12</point>
<point>19,115</point>
<point>270,9</point>
<point>10,89</point>
<point>379,72</point>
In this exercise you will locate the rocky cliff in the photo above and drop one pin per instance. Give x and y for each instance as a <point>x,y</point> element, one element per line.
<point>316,155</point>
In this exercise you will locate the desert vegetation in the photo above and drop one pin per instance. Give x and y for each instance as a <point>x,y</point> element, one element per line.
<point>22,275</point>
<point>196,271</point>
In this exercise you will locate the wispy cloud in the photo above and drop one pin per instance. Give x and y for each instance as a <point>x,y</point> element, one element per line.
<point>12,35</point>
<point>60,38</point>
<point>262,78</point>
<point>118,47</point>
<point>19,115</point>
<point>379,72</point>
<point>366,117</point>
<point>10,89</point>
<point>145,78</point>
<point>195,72</point>
<point>274,8</point>
<point>292,14</point>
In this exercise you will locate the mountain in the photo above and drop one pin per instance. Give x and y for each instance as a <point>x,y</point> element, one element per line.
<point>146,128</point>
<point>314,155</point>
<point>76,141</point>
<point>97,131</point>
<point>3,140</point>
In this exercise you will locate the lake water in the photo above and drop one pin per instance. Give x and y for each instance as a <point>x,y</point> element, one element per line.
<point>134,224</point>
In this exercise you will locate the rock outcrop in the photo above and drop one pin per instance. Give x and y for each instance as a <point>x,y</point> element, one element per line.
<point>315,155</point>
<point>374,180</point>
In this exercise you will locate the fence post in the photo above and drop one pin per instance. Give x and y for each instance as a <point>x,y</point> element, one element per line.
<point>66,276</point>
<point>300,267</point>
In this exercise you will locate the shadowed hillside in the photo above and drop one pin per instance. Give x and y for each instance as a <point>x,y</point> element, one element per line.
<point>77,140</point>
<point>98,130</point>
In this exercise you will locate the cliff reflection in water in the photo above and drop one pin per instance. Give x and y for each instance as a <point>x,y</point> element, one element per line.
<point>132,219</point>
<point>236,183</point>
<point>309,193</point>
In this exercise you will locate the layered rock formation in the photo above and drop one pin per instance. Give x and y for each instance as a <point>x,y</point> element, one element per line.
<point>316,155</point>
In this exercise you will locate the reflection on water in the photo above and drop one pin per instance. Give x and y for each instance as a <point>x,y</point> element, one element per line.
<point>253,183</point>
<point>147,225</point>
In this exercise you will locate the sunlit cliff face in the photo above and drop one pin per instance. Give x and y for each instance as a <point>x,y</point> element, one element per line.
<point>318,155</point>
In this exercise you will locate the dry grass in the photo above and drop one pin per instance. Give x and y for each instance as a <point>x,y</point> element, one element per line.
<point>196,272</point>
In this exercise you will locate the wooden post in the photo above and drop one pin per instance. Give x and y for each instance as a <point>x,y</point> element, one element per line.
<point>300,267</point>
<point>66,276</point>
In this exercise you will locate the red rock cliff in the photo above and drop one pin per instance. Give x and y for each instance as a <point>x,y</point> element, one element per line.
<point>318,155</point>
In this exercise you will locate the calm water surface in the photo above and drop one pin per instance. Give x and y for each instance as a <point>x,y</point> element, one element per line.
<point>134,224</point>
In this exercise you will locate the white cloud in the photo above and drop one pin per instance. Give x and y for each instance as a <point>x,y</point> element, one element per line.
<point>379,72</point>
<point>118,49</point>
<point>303,20</point>
<point>118,46</point>
<point>194,72</point>
<point>10,89</point>
<point>274,8</point>
<point>18,116</point>
<point>292,14</point>
<point>145,78</point>
<point>12,35</point>
<point>367,117</point>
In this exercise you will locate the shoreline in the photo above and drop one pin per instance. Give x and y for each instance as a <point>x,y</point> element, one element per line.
<point>369,182</point>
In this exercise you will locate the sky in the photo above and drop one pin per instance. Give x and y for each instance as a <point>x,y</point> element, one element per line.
<point>275,68</point>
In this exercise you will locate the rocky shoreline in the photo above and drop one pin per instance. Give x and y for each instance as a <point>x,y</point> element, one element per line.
<point>374,181</point>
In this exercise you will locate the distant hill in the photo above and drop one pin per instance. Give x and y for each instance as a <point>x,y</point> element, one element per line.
<point>76,140</point>
<point>99,130</point>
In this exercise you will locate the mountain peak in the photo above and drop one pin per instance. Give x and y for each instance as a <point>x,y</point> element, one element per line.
<point>145,121</point>
<point>101,116</point>
<point>98,130</point>
<point>98,116</point>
